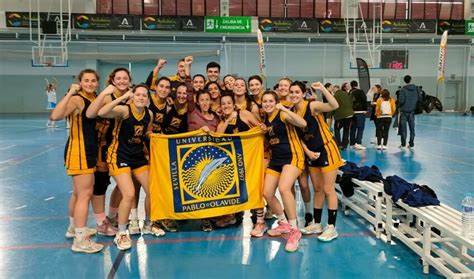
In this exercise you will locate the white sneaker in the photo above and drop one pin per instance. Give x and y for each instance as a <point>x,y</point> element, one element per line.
<point>312,229</point>
<point>359,146</point>
<point>70,233</point>
<point>328,234</point>
<point>384,147</point>
<point>134,226</point>
<point>86,246</point>
<point>123,241</point>
<point>411,148</point>
<point>402,147</point>
<point>153,228</point>
<point>379,147</point>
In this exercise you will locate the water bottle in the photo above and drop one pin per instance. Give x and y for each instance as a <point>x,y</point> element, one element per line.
<point>467,210</point>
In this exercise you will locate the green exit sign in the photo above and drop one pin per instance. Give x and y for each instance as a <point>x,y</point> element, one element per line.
<point>469,27</point>
<point>231,24</point>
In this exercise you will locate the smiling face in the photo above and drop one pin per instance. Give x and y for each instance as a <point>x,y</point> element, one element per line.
<point>229,83</point>
<point>181,71</point>
<point>89,83</point>
<point>268,103</point>
<point>140,97</point>
<point>296,94</point>
<point>181,94</point>
<point>163,89</point>
<point>283,88</point>
<point>227,105</point>
<point>255,86</point>
<point>204,102</point>
<point>198,83</point>
<point>213,88</point>
<point>121,81</point>
<point>239,87</point>
<point>213,74</point>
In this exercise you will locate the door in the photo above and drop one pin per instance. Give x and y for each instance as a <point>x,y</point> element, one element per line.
<point>451,93</point>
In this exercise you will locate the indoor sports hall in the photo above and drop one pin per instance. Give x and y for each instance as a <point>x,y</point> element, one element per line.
<point>45,44</point>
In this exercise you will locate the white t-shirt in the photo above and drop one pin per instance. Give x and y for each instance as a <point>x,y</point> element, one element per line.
<point>51,96</point>
<point>385,108</point>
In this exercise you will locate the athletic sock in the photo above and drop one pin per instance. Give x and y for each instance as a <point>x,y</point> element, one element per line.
<point>113,212</point>
<point>293,224</point>
<point>100,218</point>
<point>318,212</point>
<point>81,233</point>
<point>332,214</point>
<point>71,222</point>
<point>260,215</point>
<point>122,228</point>
<point>133,214</point>
<point>308,207</point>
<point>282,218</point>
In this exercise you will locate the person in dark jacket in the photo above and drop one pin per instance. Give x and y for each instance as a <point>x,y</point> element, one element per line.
<point>406,106</point>
<point>358,120</point>
<point>342,117</point>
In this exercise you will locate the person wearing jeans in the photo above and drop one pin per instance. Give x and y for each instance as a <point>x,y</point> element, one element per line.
<point>406,106</point>
<point>407,117</point>
<point>358,120</point>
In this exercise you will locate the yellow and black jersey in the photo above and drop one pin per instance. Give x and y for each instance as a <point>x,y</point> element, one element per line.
<point>175,121</point>
<point>284,143</point>
<point>80,153</point>
<point>261,112</point>
<point>317,132</point>
<point>104,127</point>
<point>127,147</point>
<point>159,111</point>
<point>247,105</point>
<point>318,138</point>
<point>236,125</point>
<point>287,104</point>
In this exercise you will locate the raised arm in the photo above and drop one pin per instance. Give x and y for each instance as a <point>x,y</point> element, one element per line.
<point>161,63</point>
<point>67,105</point>
<point>291,117</point>
<point>111,110</point>
<point>332,103</point>
<point>249,118</point>
<point>188,61</point>
<point>95,106</point>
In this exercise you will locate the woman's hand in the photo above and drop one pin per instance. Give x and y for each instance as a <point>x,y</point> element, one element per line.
<point>74,89</point>
<point>313,155</point>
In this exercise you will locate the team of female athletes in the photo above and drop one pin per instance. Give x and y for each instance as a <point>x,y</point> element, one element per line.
<point>109,136</point>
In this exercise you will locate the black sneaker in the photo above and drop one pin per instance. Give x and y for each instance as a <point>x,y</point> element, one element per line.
<point>308,218</point>
<point>206,225</point>
<point>169,225</point>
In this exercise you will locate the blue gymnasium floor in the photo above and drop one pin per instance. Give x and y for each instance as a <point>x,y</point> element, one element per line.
<point>34,191</point>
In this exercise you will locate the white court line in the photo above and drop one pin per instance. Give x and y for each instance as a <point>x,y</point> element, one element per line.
<point>7,147</point>
<point>20,207</point>
<point>6,161</point>
<point>36,155</point>
<point>460,130</point>
<point>48,199</point>
<point>29,158</point>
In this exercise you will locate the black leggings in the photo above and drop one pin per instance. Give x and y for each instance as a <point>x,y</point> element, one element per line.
<point>383,127</point>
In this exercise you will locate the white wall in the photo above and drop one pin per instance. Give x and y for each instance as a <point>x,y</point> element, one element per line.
<point>304,62</point>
